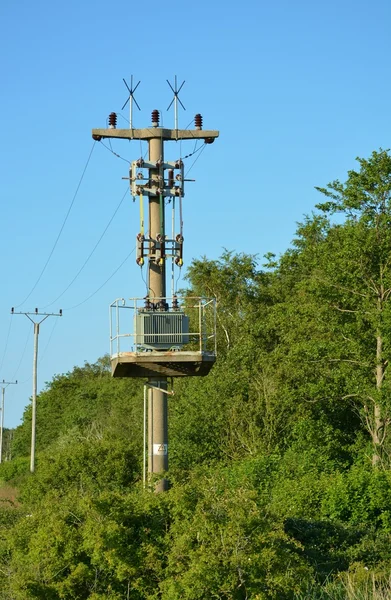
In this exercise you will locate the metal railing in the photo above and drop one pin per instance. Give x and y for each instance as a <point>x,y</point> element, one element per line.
<point>177,323</point>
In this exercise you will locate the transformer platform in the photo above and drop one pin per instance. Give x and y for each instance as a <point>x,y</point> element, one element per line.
<point>165,364</point>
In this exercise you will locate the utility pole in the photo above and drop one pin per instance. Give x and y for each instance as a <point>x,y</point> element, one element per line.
<point>4,384</point>
<point>157,188</point>
<point>36,324</point>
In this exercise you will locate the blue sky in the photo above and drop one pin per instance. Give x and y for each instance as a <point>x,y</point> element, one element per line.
<point>296,89</point>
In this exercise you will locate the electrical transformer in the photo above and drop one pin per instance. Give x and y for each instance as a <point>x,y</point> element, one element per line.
<point>161,330</point>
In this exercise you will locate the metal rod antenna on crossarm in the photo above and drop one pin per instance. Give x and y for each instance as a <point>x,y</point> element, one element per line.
<point>131,99</point>
<point>36,324</point>
<point>175,100</point>
<point>3,385</point>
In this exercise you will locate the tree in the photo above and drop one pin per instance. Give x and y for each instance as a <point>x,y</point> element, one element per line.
<point>88,401</point>
<point>357,285</point>
<point>236,410</point>
<point>332,311</point>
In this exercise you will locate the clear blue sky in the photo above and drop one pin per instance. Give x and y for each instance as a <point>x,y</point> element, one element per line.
<point>297,90</point>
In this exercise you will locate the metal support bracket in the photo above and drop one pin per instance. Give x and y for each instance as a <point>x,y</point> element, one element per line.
<point>159,389</point>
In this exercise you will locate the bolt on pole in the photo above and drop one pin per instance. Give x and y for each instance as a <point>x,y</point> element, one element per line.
<point>36,324</point>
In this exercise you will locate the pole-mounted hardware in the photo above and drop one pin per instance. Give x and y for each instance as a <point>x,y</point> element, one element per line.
<point>163,329</point>
<point>131,99</point>
<point>175,100</point>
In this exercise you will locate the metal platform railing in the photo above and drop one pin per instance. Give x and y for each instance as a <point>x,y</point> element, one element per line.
<point>177,323</point>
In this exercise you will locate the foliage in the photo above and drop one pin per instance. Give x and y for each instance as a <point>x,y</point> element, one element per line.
<point>86,402</point>
<point>279,459</point>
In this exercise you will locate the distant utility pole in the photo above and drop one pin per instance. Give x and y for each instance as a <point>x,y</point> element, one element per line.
<point>35,362</point>
<point>3,384</point>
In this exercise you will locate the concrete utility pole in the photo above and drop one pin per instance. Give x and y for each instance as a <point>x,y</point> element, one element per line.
<point>3,384</point>
<point>35,368</point>
<point>155,189</point>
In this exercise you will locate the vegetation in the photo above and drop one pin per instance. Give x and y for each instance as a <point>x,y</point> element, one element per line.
<point>280,459</point>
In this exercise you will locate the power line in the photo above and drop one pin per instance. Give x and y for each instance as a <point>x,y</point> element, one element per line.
<point>61,229</point>
<point>115,153</point>
<point>103,284</point>
<point>195,160</point>
<point>48,342</point>
<point>42,354</point>
<point>23,353</point>
<point>92,251</point>
<point>6,343</point>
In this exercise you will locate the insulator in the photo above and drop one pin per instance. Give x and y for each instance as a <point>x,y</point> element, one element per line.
<point>178,164</point>
<point>140,249</point>
<point>209,140</point>
<point>179,250</point>
<point>112,120</point>
<point>155,117</point>
<point>162,305</point>
<point>140,162</point>
<point>198,121</point>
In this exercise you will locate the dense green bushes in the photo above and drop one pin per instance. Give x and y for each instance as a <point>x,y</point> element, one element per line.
<point>279,459</point>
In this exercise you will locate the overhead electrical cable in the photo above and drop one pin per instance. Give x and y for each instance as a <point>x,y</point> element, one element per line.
<point>91,253</point>
<point>124,118</point>
<point>55,321</point>
<point>103,284</point>
<point>177,280</point>
<point>24,351</point>
<point>61,228</point>
<point>115,153</point>
<point>6,343</point>
<point>195,160</point>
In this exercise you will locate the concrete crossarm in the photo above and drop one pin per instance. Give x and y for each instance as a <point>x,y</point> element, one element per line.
<point>155,132</point>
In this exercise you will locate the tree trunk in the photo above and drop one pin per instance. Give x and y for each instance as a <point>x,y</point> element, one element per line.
<point>378,423</point>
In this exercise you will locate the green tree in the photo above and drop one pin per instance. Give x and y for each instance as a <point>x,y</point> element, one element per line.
<point>331,310</point>
<point>88,401</point>
<point>236,410</point>
<point>356,283</point>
